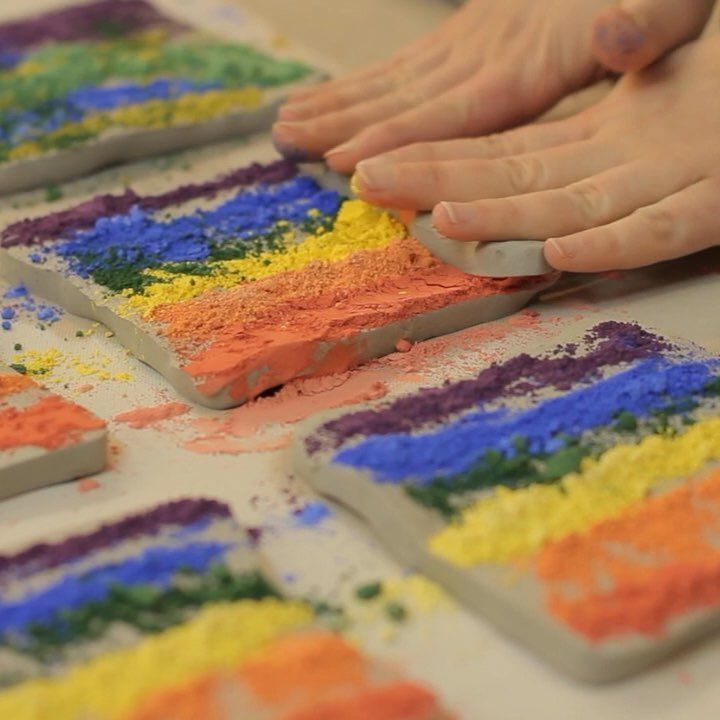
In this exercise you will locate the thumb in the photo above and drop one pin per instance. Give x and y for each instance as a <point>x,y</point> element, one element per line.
<point>632,34</point>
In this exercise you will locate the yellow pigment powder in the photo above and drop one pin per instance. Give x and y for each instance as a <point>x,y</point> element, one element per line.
<point>49,366</point>
<point>358,226</point>
<point>218,638</point>
<point>513,524</point>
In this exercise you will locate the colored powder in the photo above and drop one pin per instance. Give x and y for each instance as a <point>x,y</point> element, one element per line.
<point>512,524</point>
<point>52,364</point>
<point>456,447</point>
<point>312,514</point>
<point>189,109</point>
<point>145,608</point>
<point>44,556</point>
<point>155,565</point>
<point>88,485</point>
<point>86,214</point>
<point>219,637</point>
<point>617,343</point>
<point>302,667</point>
<point>358,226</point>
<point>49,423</point>
<point>652,574</point>
<point>399,701</point>
<point>14,384</point>
<point>150,416</point>
<point>90,21</point>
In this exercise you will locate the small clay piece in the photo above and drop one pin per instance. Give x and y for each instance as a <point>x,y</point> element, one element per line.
<point>44,439</point>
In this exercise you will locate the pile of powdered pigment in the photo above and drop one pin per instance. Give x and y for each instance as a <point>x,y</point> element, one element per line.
<point>166,613</point>
<point>557,461</point>
<point>72,75</point>
<point>251,278</point>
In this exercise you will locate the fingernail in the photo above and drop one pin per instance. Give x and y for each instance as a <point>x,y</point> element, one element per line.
<point>284,137</point>
<point>619,32</point>
<point>372,176</point>
<point>564,249</point>
<point>457,213</point>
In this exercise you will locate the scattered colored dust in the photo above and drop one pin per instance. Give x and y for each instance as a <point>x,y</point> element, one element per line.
<point>143,417</point>
<point>88,485</point>
<point>13,384</point>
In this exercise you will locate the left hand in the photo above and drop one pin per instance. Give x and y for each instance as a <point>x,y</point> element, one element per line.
<point>632,181</point>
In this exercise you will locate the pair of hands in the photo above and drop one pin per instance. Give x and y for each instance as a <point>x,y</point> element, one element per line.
<point>630,181</point>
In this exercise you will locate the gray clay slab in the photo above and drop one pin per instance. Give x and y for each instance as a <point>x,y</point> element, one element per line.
<point>82,298</point>
<point>128,145</point>
<point>507,258</point>
<point>513,603</point>
<point>30,467</point>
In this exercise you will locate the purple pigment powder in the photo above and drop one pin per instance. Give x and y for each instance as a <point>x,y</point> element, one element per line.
<point>616,343</point>
<point>44,556</point>
<point>94,21</point>
<point>85,215</point>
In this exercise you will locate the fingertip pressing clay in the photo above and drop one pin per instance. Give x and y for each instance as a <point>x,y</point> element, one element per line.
<point>506,258</point>
<point>44,439</point>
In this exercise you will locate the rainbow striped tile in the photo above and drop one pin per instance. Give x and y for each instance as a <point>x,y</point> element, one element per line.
<point>169,614</point>
<point>44,439</point>
<point>111,80</point>
<point>568,498</point>
<point>239,282</point>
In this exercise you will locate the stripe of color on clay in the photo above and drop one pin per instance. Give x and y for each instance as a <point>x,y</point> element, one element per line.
<point>630,574</point>
<point>49,423</point>
<point>156,566</point>
<point>512,524</point>
<point>454,448</point>
<point>45,556</point>
<point>89,21</point>
<point>218,638</point>
<point>86,214</point>
<point>616,343</point>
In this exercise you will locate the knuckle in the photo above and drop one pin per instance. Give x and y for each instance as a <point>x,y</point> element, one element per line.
<point>589,200</point>
<point>661,223</point>
<point>523,174</point>
<point>496,144</point>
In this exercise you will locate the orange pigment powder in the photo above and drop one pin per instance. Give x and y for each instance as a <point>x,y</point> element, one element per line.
<point>14,383</point>
<point>49,423</point>
<point>635,572</point>
<point>310,676</point>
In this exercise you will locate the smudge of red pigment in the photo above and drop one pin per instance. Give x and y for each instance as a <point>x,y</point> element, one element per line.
<point>400,701</point>
<point>659,558</point>
<point>14,383</point>
<point>403,345</point>
<point>143,417</point>
<point>295,401</point>
<point>49,423</point>
<point>227,446</point>
<point>82,389</point>
<point>87,485</point>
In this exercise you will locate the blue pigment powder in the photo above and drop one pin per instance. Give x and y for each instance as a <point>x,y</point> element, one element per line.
<point>455,447</point>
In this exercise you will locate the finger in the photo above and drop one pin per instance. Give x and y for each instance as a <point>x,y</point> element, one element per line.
<point>591,202</point>
<point>422,185</point>
<point>350,91</point>
<point>479,105</point>
<point>318,134</point>
<point>681,224</point>
<point>634,33</point>
<point>512,142</point>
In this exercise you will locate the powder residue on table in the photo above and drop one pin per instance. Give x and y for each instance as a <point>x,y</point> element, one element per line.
<point>143,417</point>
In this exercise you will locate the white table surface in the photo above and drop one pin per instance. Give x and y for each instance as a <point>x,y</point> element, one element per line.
<point>478,673</point>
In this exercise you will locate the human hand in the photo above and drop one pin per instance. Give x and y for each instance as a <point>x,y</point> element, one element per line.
<point>632,181</point>
<point>491,66</point>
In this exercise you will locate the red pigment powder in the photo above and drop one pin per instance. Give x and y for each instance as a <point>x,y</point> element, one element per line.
<point>284,323</point>
<point>660,559</point>
<point>13,384</point>
<point>50,423</point>
<point>143,417</point>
